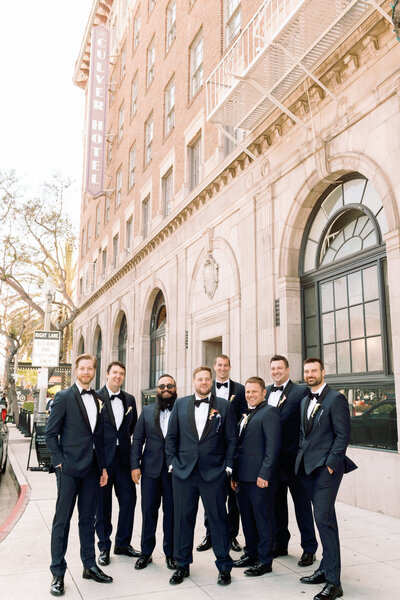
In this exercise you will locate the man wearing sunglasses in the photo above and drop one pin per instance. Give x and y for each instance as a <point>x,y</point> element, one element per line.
<point>148,463</point>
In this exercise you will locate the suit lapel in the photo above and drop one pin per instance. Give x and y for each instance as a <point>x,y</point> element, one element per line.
<point>208,424</point>
<point>109,409</point>
<point>285,394</point>
<point>192,421</point>
<point>231,389</point>
<point>252,414</point>
<point>310,422</point>
<point>81,405</point>
<point>156,415</point>
<point>125,405</point>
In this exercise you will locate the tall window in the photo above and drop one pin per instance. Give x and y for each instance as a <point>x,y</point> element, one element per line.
<point>104,261</point>
<point>132,164</point>
<point>233,19</point>
<point>346,317</point>
<point>123,62</point>
<point>134,95</point>
<point>170,106</point>
<point>97,226</point>
<point>118,191</point>
<point>98,356</point>
<point>167,190</point>
<point>145,216</point>
<point>88,241</point>
<point>122,340</point>
<point>148,139</point>
<point>136,30</point>
<point>121,119</point>
<point>109,146</point>
<point>157,339</point>
<point>115,250</point>
<point>196,64</point>
<point>151,58</point>
<point>171,23</point>
<point>128,234</point>
<point>106,210</point>
<point>195,162</point>
<point>81,346</point>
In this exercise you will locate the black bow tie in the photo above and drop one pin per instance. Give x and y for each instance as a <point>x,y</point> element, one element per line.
<point>219,384</point>
<point>90,391</point>
<point>198,402</point>
<point>115,396</point>
<point>277,388</point>
<point>311,395</point>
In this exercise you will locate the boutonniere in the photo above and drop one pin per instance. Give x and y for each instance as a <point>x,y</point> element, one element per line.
<point>245,419</point>
<point>232,398</point>
<point>128,411</point>
<point>316,407</point>
<point>282,400</point>
<point>100,403</point>
<point>214,414</point>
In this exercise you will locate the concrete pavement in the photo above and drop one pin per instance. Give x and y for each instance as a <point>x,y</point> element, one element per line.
<point>370,556</point>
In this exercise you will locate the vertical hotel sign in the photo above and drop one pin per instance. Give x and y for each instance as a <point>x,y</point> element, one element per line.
<point>96,122</point>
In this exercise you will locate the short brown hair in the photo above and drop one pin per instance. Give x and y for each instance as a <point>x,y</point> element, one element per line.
<point>313,360</point>
<point>116,363</point>
<point>256,379</point>
<point>198,369</point>
<point>280,357</point>
<point>224,356</point>
<point>85,357</point>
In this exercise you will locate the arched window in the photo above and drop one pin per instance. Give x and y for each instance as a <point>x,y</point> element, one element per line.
<point>81,346</point>
<point>157,339</point>
<point>122,340</point>
<point>98,356</point>
<point>346,319</point>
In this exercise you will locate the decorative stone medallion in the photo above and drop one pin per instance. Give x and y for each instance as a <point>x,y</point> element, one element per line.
<point>210,276</point>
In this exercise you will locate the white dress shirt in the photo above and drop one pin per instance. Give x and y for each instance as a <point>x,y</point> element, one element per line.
<point>118,409</point>
<point>201,415</point>
<point>164,418</point>
<point>314,401</point>
<point>223,391</point>
<point>90,405</point>
<point>273,398</point>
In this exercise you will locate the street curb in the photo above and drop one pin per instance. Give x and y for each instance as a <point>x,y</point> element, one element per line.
<point>24,494</point>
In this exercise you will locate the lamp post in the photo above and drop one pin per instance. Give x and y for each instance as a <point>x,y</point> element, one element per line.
<point>49,289</point>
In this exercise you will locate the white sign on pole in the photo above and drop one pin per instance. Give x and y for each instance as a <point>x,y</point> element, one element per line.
<point>46,349</point>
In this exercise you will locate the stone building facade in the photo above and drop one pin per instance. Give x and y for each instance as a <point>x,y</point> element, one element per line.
<point>285,240</point>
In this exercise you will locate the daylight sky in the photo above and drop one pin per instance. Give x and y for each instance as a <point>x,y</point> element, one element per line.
<point>41,110</point>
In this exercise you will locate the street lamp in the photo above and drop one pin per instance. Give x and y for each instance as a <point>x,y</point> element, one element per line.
<point>49,290</point>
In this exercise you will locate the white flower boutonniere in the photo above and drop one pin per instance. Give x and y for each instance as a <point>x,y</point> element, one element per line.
<point>232,398</point>
<point>214,414</point>
<point>245,419</point>
<point>100,403</point>
<point>316,408</point>
<point>282,400</point>
<point>128,411</point>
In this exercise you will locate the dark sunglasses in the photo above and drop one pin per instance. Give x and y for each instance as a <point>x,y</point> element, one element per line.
<point>168,386</point>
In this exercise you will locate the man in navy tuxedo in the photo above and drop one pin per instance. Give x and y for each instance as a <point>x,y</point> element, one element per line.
<point>148,463</point>
<point>120,416</point>
<point>255,478</point>
<point>286,396</point>
<point>75,438</point>
<point>224,387</point>
<point>321,462</point>
<point>200,446</point>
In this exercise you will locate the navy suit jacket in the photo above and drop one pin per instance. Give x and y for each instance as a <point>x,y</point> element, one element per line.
<point>259,446</point>
<point>69,436</point>
<point>214,451</point>
<point>151,459</point>
<point>237,397</point>
<point>327,441</point>
<point>289,410</point>
<point>124,433</point>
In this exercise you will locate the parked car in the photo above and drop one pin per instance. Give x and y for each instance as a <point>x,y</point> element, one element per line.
<point>376,427</point>
<point>3,447</point>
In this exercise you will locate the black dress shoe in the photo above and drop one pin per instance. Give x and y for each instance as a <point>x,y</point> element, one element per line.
<point>171,563</point>
<point>104,558</point>
<point>317,577</point>
<point>127,551</point>
<point>245,561</point>
<point>330,592</point>
<point>179,575</point>
<point>143,561</point>
<point>57,585</point>
<point>96,574</point>
<point>235,546</point>
<point>258,569</point>
<point>306,560</point>
<point>224,578</point>
<point>279,551</point>
<point>205,544</point>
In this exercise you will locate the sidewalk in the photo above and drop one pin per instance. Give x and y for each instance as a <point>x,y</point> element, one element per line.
<point>370,556</point>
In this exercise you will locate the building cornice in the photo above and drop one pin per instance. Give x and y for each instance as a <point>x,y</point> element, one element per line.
<point>335,73</point>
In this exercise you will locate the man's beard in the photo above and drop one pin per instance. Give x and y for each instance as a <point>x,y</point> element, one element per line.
<point>164,403</point>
